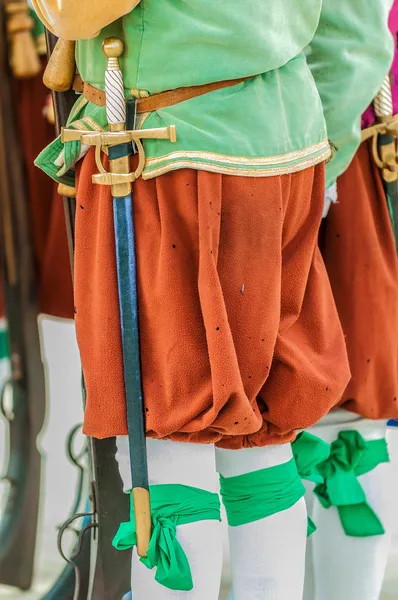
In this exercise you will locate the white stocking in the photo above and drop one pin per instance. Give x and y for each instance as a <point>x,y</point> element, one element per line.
<point>341,567</point>
<point>268,556</point>
<point>192,465</point>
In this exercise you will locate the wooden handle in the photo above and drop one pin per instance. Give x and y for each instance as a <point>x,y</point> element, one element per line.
<point>143,523</point>
<point>48,110</point>
<point>66,190</point>
<point>61,68</point>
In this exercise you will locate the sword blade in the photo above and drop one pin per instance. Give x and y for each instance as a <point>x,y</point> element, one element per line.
<point>128,306</point>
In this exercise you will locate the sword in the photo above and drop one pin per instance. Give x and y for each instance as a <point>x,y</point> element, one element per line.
<point>385,152</point>
<point>127,286</point>
<point>118,140</point>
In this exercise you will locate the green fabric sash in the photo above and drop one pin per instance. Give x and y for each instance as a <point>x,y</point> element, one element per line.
<point>254,496</point>
<point>350,457</point>
<point>171,505</point>
<point>3,344</point>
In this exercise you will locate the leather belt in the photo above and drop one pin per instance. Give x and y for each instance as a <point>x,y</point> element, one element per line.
<point>157,101</point>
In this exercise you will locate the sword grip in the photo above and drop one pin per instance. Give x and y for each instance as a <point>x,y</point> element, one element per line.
<point>382,103</point>
<point>114,88</point>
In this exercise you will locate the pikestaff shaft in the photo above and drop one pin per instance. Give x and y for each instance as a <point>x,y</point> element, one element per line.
<point>18,526</point>
<point>109,576</point>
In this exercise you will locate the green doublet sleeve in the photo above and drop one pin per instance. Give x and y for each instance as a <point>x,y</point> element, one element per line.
<point>349,57</point>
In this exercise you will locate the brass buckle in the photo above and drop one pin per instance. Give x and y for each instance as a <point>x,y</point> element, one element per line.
<point>102,140</point>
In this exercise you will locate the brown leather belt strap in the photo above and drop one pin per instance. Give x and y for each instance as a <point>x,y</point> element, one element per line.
<point>157,101</point>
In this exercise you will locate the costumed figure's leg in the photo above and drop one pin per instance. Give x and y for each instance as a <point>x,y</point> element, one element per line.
<point>263,495</point>
<point>240,341</point>
<point>266,531</point>
<point>186,556</point>
<point>346,559</point>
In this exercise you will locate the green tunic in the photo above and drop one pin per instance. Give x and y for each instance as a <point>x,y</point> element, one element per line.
<point>271,124</point>
<point>349,57</point>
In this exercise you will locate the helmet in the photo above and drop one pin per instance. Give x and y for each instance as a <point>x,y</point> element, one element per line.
<point>80,19</point>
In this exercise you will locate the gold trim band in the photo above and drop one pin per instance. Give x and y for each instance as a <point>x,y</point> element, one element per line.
<point>241,160</point>
<point>224,170</point>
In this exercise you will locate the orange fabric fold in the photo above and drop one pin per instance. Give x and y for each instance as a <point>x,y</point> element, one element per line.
<point>359,251</point>
<point>240,339</point>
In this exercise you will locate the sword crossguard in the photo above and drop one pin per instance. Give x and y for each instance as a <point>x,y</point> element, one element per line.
<point>385,156</point>
<point>385,153</point>
<point>102,140</point>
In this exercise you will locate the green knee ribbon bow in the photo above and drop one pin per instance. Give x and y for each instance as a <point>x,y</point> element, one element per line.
<point>350,457</point>
<point>259,494</point>
<point>171,505</point>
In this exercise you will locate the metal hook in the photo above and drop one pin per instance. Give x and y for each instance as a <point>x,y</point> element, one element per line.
<point>80,538</point>
<point>9,416</point>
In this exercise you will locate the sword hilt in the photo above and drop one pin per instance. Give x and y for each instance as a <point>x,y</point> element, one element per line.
<point>120,177</point>
<point>116,115</point>
<point>384,153</point>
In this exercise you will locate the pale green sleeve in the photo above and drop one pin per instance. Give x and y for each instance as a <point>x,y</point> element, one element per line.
<point>349,56</point>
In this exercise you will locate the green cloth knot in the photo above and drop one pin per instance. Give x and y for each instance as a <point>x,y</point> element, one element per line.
<point>171,505</point>
<point>350,457</point>
<point>309,451</point>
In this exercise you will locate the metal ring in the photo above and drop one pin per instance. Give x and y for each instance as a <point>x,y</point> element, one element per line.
<point>66,526</point>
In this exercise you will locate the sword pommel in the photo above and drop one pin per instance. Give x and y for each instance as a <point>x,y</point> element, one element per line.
<point>113,48</point>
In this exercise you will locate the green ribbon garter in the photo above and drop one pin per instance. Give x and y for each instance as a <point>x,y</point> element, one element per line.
<point>350,457</point>
<point>259,494</point>
<point>171,505</point>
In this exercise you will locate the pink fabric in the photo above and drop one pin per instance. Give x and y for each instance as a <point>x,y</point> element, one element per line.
<point>368,117</point>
